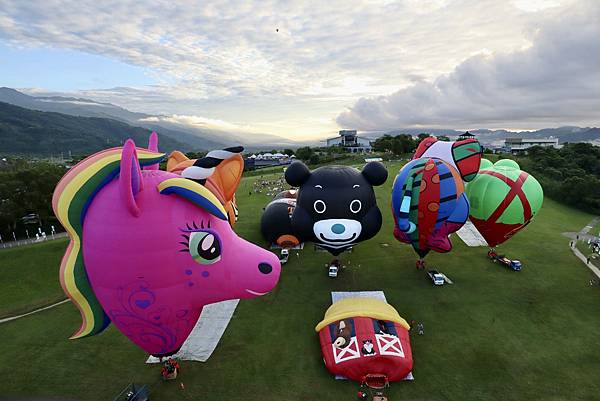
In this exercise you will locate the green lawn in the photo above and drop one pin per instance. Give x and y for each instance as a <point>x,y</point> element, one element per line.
<point>29,277</point>
<point>493,335</point>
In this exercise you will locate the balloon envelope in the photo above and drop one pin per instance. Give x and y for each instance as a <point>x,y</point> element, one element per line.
<point>336,206</point>
<point>149,249</point>
<point>428,204</point>
<point>276,224</point>
<point>503,200</point>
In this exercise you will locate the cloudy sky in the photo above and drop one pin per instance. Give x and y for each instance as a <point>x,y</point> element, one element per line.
<point>306,69</point>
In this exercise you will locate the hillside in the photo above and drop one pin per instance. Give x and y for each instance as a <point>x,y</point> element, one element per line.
<point>30,132</point>
<point>196,137</point>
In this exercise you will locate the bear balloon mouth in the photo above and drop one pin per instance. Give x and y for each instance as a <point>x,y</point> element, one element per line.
<point>352,237</point>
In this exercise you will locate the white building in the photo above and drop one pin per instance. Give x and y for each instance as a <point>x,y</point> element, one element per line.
<point>518,145</point>
<point>349,140</point>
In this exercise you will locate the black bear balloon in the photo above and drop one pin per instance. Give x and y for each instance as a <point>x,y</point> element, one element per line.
<point>276,222</point>
<point>336,206</point>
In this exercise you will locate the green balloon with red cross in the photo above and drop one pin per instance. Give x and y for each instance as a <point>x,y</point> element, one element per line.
<point>503,200</point>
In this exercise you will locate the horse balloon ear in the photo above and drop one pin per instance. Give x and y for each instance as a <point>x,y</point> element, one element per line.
<point>297,174</point>
<point>375,173</point>
<point>153,147</point>
<point>130,177</point>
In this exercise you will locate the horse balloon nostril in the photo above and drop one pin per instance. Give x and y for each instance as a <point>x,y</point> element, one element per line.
<point>265,268</point>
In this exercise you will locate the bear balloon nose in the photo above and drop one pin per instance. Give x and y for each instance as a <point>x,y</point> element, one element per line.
<point>338,228</point>
<point>265,268</point>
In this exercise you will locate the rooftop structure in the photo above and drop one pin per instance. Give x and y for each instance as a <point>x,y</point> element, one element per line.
<point>518,145</point>
<point>466,135</point>
<point>349,140</point>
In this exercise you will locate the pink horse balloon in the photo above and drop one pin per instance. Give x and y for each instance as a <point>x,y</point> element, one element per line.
<point>149,249</point>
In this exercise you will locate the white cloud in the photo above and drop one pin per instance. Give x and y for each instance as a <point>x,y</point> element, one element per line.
<point>555,81</point>
<point>223,59</point>
<point>202,123</point>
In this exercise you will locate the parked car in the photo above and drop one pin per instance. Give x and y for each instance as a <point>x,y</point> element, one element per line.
<point>436,277</point>
<point>514,265</point>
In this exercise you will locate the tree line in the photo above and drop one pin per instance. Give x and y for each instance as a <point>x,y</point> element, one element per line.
<point>26,189</point>
<point>569,175</point>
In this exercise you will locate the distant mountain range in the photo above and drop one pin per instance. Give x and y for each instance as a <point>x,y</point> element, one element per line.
<point>83,126</point>
<point>31,132</point>
<point>194,138</point>
<point>497,137</point>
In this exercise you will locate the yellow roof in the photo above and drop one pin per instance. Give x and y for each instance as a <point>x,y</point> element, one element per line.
<point>361,307</point>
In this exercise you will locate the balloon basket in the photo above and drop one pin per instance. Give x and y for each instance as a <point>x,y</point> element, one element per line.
<point>169,370</point>
<point>170,376</point>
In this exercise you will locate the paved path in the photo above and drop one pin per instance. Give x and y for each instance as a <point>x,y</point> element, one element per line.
<point>8,319</point>
<point>583,258</point>
<point>584,236</point>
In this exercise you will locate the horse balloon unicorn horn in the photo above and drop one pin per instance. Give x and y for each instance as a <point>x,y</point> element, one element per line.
<point>149,249</point>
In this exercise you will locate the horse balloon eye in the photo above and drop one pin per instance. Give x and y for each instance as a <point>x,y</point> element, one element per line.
<point>355,206</point>
<point>205,247</point>
<point>319,206</point>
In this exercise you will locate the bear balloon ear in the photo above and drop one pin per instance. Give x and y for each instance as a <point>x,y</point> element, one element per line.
<point>297,174</point>
<point>375,173</point>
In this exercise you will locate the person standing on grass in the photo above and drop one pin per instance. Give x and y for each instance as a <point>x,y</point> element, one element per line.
<point>421,329</point>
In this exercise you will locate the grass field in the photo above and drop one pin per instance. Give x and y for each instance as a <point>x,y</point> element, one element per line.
<point>493,335</point>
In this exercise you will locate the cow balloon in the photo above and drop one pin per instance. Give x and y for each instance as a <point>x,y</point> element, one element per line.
<point>148,249</point>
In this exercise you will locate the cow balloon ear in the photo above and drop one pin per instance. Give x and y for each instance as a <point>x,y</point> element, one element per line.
<point>375,173</point>
<point>297,174</point>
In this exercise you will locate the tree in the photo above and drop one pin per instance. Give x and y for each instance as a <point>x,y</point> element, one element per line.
<point>443,138</point>
<point>288,152</point>
<point>422,136</point>
<point>314,159</point>
<point>383,143</point>
<point>304,153</point>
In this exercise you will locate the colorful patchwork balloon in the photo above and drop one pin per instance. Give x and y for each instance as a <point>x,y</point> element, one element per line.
<point>149,249</point>
<point>464,155</point>
<point>428,204</point>
<point>503,200</point>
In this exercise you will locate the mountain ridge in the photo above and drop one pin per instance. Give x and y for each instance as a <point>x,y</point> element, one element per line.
<point>30,132</point>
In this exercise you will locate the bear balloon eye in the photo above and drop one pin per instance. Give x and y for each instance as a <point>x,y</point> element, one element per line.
<point>319,206</point>
<point>205,247</point>
<point>355,206</point>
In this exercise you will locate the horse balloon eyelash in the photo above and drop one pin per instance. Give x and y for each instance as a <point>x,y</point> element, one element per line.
<point>194,227</point>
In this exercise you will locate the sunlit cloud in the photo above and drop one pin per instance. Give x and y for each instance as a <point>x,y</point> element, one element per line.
<point>257,64</point>
<point>555,81</point>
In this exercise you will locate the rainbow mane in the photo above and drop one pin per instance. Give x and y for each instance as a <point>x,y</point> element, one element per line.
<point>70,201</point>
